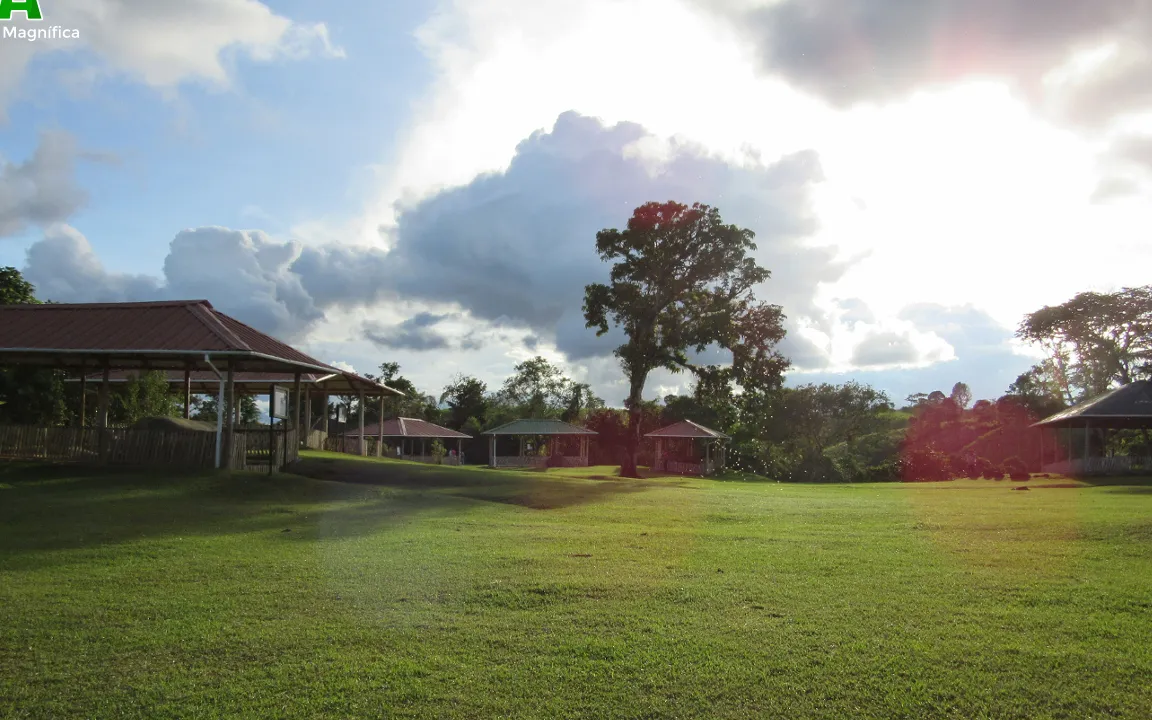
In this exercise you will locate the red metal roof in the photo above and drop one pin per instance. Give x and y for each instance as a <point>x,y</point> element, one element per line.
<point>407,427</point>
<point>688,429</point>
<point>174,334</point>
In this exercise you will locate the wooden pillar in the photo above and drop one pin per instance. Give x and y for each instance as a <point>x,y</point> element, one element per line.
<point>306,439</point>
<point>492,451</point>
<point>327,413</point>
<point>187,394</point>
<point>380,429</point>
<point>1087,448</point>
<point>459,451</point>
<point>83,397</point>
<point>102,413</point>
<point>363,440</point>
<point>296,404</point>
<point>271,429</point>
<point>228,414</point>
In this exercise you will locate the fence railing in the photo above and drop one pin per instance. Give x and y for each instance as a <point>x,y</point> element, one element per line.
<point>1116,465</point>
<point>120,446</point>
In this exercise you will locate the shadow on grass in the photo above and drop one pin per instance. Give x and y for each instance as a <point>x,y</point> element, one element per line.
<point>538,491</point>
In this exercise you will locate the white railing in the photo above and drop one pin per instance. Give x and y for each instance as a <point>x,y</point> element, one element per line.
<point>1118,464</point>
<point>517,461</point>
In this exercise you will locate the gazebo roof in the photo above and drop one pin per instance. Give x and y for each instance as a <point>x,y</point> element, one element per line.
<point>1129,406</point>
<point>688,429</point>
<point>409,428</point>
<point>539,427</point>
<point>172,335</point>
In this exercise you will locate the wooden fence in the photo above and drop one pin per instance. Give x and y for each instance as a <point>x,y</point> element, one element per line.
<point>149,448</point>
<point>264,450</point>
<point>1115,465</point>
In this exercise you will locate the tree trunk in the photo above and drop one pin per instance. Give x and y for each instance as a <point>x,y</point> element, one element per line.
<point>635,415</point>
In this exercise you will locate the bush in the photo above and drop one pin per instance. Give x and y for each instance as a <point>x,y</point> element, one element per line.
<point>927,466</point>
<point>1016,469</point>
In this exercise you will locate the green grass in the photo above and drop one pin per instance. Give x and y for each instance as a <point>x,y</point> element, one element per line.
<point>461,593</point>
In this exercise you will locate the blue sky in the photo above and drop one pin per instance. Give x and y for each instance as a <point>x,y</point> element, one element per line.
<point>422,181</point>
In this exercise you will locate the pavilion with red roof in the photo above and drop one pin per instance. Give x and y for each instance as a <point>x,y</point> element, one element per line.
<point>188,337</point>
<point>678,449</point>
<point>409,431</point>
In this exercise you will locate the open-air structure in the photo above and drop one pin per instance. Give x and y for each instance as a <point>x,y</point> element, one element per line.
<point>408,435</point>
<point>687,448</point>
<point>1124,408</point>
<point>316,387</point>
<point>564,444</point>
<point>187,337</point>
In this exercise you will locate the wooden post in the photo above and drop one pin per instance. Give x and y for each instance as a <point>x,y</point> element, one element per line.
<point>187,394</point>
<point>271,430</point>
<point>307,419</point>
<point>492,451</point>
<point>1087,449</point>
<point>236,411</point>
<point>83,397</point>
<point>296,405</point>
<point>380,429</point>
<point>102,414</point>
<point>459,451</point>
<point>327,412</point>
<point>228,416</point>
<point>363,440</point>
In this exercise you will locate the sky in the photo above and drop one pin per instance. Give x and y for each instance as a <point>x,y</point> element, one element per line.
<point>421,181</point>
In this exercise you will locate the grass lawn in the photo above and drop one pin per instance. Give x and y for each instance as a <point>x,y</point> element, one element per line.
<point>462,593</point>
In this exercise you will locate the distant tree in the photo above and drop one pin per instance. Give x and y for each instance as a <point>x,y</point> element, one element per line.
<point>414,403</point>
<point>1095,340</point>
<point>30,396</point>
<point>820,416</point>
<point>14,289</point>
<point>537,388</point>
<point>204,409</point>
<point>144,395</point>
<point>684,280</point>
<point>466,398</point>
<point>961,395</point>
<point>1038,392</point>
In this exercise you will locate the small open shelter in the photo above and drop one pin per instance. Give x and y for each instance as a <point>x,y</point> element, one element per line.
<point>1128,407</point>
<point>529,432</point>
<point>408,432</point>
<point>678,449</point>
<point>179,336</point>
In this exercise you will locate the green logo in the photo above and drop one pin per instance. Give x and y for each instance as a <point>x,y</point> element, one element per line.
<point>30,8</point>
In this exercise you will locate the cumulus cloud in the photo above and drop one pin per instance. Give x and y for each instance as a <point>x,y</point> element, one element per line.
<point>519,246</point>
<point>243,273</point>
<point>42,190</point>
<point>163,44</point>
<point>64,268</point>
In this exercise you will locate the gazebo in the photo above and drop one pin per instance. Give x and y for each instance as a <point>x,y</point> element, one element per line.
<point>684,436</point>
<point>1125,408</point>
<point>529,431</point>
<point>185,337</point>
<point>410,430</point>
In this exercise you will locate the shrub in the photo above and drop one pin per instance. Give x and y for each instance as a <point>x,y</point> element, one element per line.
<point>438,451</point>
<point>927,466</point>
<point>1016,469</point>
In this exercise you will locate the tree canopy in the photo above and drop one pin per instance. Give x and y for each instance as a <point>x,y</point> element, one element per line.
<point>683,280</point>
<point>1094,341</point>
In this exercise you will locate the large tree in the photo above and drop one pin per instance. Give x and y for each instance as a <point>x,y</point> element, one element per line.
<point>537,389</point>
<point>1095,340</point>
<point>683,280</point>
<point>14,289</point>
<point>466,398</point>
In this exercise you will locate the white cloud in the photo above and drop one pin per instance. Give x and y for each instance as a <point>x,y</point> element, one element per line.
<point>164,44</point>
<point>42,190</point>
